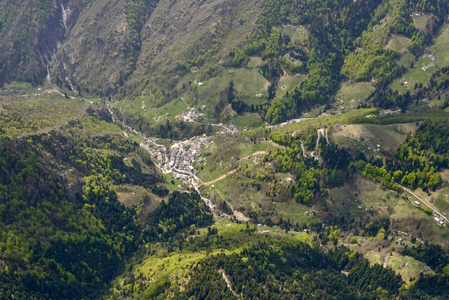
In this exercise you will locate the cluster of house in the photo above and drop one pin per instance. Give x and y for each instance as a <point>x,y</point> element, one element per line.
<point>375,148</point>
<point>157,152</point>
<point>439,221</point>
<point>192,115</point>
<point>233,129</point>
<point>184,154</point>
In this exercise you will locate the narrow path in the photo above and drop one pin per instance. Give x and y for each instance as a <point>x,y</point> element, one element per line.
<point>220,178</point>
<point>294,133</point>
<point>254,154</point>
<point>303,149</point>
<point>185,103</point>
<point>320,132</point>
<point>233,171</point>
<point>228,283</point>
<point>302,144</point>
<point>385,261</point>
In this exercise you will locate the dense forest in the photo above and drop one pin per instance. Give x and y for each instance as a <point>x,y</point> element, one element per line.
<point>64,232</point>
<point>416,162</point>
<point>297,271</point>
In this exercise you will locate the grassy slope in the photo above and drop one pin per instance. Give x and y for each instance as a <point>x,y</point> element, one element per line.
<point>287,83</point>
<point>40,111</point>
<point>441,48</point>
<point>417,75</point>
<point>212,169</point>
<point>350,94</point>
<point>358,136</point>
<point>398,43</point>
<point>421,21</point>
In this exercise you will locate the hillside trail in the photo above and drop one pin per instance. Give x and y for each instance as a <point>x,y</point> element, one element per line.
<point>320,132</point>
<point>220,178</point>
<point>302,144</point>
<point>233,171</point>
<point>228,283</point>
<point>303,149</point>
<point>385,261</point>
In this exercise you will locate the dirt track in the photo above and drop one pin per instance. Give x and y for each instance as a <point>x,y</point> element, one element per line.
<point>233,171</point>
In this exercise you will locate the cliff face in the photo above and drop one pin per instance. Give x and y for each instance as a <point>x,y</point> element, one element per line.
<point>105,43</point>
<point>114,43</point>
<point>31,32</point>
<point>95,51</point>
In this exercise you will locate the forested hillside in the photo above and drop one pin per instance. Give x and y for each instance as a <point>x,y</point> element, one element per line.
<point>155,50</point>
<point>224,149</point>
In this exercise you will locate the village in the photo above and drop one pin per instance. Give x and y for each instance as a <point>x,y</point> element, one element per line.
<point>181,156</point>
<point>184,154</point>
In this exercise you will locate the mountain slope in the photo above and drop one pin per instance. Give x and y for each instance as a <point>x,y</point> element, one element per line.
<point>30,34</point>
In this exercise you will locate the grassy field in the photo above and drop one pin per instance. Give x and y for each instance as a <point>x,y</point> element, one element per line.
<point>366,137</point>
<point>288,83</point>
<point>19,85</point>
<point>241,193</point>
<point>345,200</point>
<point>169,110</point>
<point>362,195</point>
<point>130,195</point>
<point>219,164</point>
<point>406,60</point>
<point>398,43</point>
<point>172,183</point>
<point>421,21</point>
<point>415,114</point>
<point>375,198</point>
<point>250,120</point>
<point>416,76</point>
<point>246,149</point>
<point>254,62</point>
<point>350,94</point>
<point>411,271</point>
<point>441,48</point>
<point>439,198</point>
<point>94,100</point>
<point>245,198</point>
<point>248,82</point>
<point>326,121</point>
<point>296,33</point>
<point>295,212</point>
<point>136,139</point>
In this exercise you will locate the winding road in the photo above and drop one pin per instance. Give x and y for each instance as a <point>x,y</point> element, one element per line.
<point>407,190</point>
